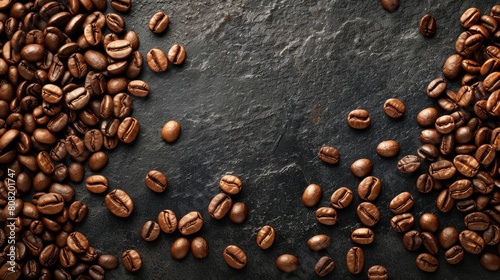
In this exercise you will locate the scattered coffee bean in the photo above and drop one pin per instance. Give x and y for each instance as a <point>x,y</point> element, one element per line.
<point>448,237</point>
<point>319,242</point>
<point>355,260</point>
<point>287,263</point>
<point>388,148</point>
<point>359,119</point>
<point>177,54</point>
<point>312,195</point>
<point>199,247</point>
<point>428,25</point>
<point>324,266</point>
<point>390,5</point>
<point>167,221</point>
<point>158,22</point>
<point>156,181</point>
<point>368,213</point>
<point>190,223</point>
<point>369,188</point>
<point>326,216</point>
<point>119,203</point>
<point>265,237</point>
<point>408,164</point>
<point>427,262</point>
<point>363,236</point>
<point>157,60</point>
<point>330,155</point>
<point>238,213</point>
<point>454,254</point>
<point>235,257</point>
<point>180,248</point>
<point>412,240</point>
<point>219,206</point>
<point>96,184</point>
<point>394,108</point>
<point>171,131</point>
<point>401,203</point>
<point>150,231</point>
<point>490,261</point>
<point>361,167</point>
<point>230,184</point>
<point>402,222</point>
<point>132,260</point>
<point>341,198</point>
<point>377,272</point>
<point>471,241</point>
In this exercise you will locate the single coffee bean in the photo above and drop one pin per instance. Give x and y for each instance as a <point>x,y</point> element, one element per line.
<point>119,49</point>
<point>107,261</point>
<point>287,263</point>
<point>67,257</point>
<point>448,237</point>
<point>329,155</point>
<point>157,60</point>
<point>467,165</point>
<point>369,188</point>
<point>150,231</point>
<point>427,262</point>
<point>77,242</point>
<point>394,108</point>
<point>355,260</point>
<point>326,216</point>
<point>133,38</point>
<point>171,131</point>
<point>359,119</point>
<point>76,172</point>
<point>477,221</point>
<point>412,240</point>
<point>470,17</point>
<point>402,222</point>
<point>463,135</point>
<point>444,201</point>
<point>115,23</point>
<point>50,204</point>
<point>485,154</point>
<point>452,67</point>
<point>177,54</point>
<point>138,88</point>
<point>122,6</point>
<point>132,260</point>
<point>445,124</point>
<point>235,257</point>
<point>341,198</point>
<point>312,195</point>
<point>442,169</point>
<point>363,236</point>
<point>425,183</point>
<point>368,213</point>
<point>156,181</point>
<point>180,248</point>
<point>230,184</point>
<point>471,241</point>
<point>199,247</point>
<point>219,206</point>
<point>119,203</point>
<point>361,167</point>
<point>319,242</point>
<point>390,5</point>
<point>93,140</point>
<point>436,88</point>
<point>461,189</point>
<point>128,130</point>
<point>428,25</point>
<point>429,222</point>
<point>158,22</point>
<point>324,266</point>
<point>454,254</point>
<point>388,148</point>
<point>265,237</point>
<point>49,255</point>
<point>408,164</point>
<point>190,223</point>
<point>401,203</point>
<point>377,272</point>
<point>96,184</point>
<point>490,261</point>
<point>167,221</point>
<point>430,242</point>
<point>97,161</point>
<point>427,117</point>
<point>238,213</point>
<point>52,93</point>
<point>491,235</point>
<point>77,211</point>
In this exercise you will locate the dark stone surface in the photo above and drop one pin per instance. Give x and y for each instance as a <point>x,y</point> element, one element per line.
<point>265,84</point>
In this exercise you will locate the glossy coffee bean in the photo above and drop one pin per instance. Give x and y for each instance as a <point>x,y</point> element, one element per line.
<point>363,236</point>
<point>394,108</point>
<point>341,198</point>
<point>238,213</point>
<point>408,164</point>
<point>412,240</point>
<point>427,262</point>
<point>388,148</point>
<point>359,119</point>
<point>235,257</point>
<point>312,195</point>
<point>326,216</point>
<point>401,203</point>
<point>324,266</point>
<point>428,25</point>
<point>454,254</point>
<point>158,22</point>
<point>402,222</point>
<point>199,247</point>
<point>361,167</point>
<point>429,222</point>
<point>471,241</point>
<point>156,181</point>
<point>128,130</point>
<point>150,231</point>
<point>436,88</point>
<point>96,184</point>
<point>219,206</point>
<point>369,188</point>
<point>177,54</point>
<point>328,154</point>
<point>230,184</point>
<point>119,203</point>
<point>132,260</point>
<point>190,223</point>
<point>157,60</point>
<point>477,221</point>
<point>119,49</point>
<point>77,242</point>
<point>180,248</point>
<point>368,213</point>
<point>138,88</point>
<point>452,67</point>
<point>167,221</point>
<point>378,272</point>
<point>355,260</point>
<point>448,237</point>
<point>490,261</point>
<point>265,237</point>
<point>319,242</point>
<point>287,263</point>
<point>430,242</point>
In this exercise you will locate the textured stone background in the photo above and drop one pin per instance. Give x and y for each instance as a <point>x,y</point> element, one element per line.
<point>266,83</point>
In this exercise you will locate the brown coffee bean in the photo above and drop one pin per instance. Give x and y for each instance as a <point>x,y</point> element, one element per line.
<point>448,237</point>
<point>452,67</point>
<point>369,188</point>
<point>150,231</point>
<point>312,195</point>
<point>363,236</point>
<point>158,22</point>
<point>219,206</point>
<point>490,261</point>
<point>156,181</point>
<point>425,183</point>
<point>491,235</point>
<point>442,169</point>
<point>171,131</point>
<point>324,266</point>
<point>444,201</point>
<point>427,262</point>
<point>138,88</point>
<point>287,263</point>
<point>167,221</point>
<point>471,241</point>
<point>157,60</point>
<point>368,213</point>
<point>477,221</point>
<point>427,117</point>
<point>428,25</point>
<point>177,54</point>
<point>355,260</point>
<point>265,237</point>
<point>394,108</point>
<point>122,6</point>
<point>77,242</point>
<point>51,203</point>
<point>429,222</point>
<point>412,240</point>
<point>128,130</point>
<point>341,198</point>
<point>180,248</point>
<point>235,257</point>
<point>329,155</point>
<point>190,223</point>
<point>119,49</point>
<point>390,5</point>
<point>97,161</point>
<point>96,184</point>
<point>361,167</point>
<point>230,184</point>
<point>238,213</point>
<point>199,247</point>
<point>77,211</point>
<point>107,261</point>
<point>445,124</point>
<point>408,164</point>
<point>326,216</point>
<point>402,222</point>
<point>377,272</point>
<point>359,119</point>
<point>119,203</point>
<point>461,189</point>
<point>131,259</point>
<point>319,242</point>
<point>470,17</point>
<point>401,203</point>
<point>430,242</point>
<point>388,148</point>
<point>454,254</point>
<point>115,23</point>
<point>467,165</point>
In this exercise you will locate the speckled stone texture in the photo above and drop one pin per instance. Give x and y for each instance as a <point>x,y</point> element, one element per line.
<point>264,86</point>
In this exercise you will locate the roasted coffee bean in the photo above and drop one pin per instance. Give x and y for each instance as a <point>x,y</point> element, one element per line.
<point>119,49</point>
<point>171,131</point>
<point>425,183</point>
<point>135,63</point>
<point>477,221</point>
<point>448,237</point>
<point>330,155</point>
<point>45,163</point>
<point>363,236</point>
<point>490,261</point>
<point>341,198</point>
<point>326,216</point>
<point>369,188</point>
<point>77,242</point>
<point>442,169</point>
<point>394,108</point>
<point>471,241</point>
<point>466,206</point>
<point>180,248</point>
<point>467,165</point>
<point>76,172</point>
<point>96,184</point>
<point>368,213</point>
<point>452,67</point>
<point>219,206</point>
<point>324,266</point>
<point>427,262</point>
<point>132,260</point>
<point>470,66</point>
<point>67,258</point>
<point>51,203</point>
<point>470,17</point>
<point>158,22</point>
<point>445,124</point>
<point>230,184</point>
<point>122,105</point>
<point>119,203</point>
<point>49,255</point>
<point>454,254</point>
<point>402,222</point>
<point>93,140</point>
<point>238,213</point>
<point>412,240</point>
<point>312,195</point>
<point>265,237</point>
<point>115,22</point>
<point>117,68</point>
<point>190,223</point>
<point>355,260</point>
<point>463,135</point>
<point>107,261</point>
<point>377,272</point>
<point>359,119</point>
<point>199,247</point>
<point>401,203</point>
<point>77,99</point>
<point>444,201</point>
<point>167,221</point>
<point>361,167</point>
<point>485,154</point>
<point>430,242</point>
<point>408,164</point>
<point>150,231</point>
<point>157,60</point>
<point>287,263</point>
<point>491,235</point>
<point>436,88</point>
<point>427,117</point>
<point>429,222</point>
<point>388,148</point>
<point>122,6</point>
<point>177,54</point>
<point>77,211</point>
<point>97,161</point>
<point>133,38</point>
<point>235,257</point>
<point>128,130</point>
<point>77,65</point>
<point>138,88</point>
<point>461,189</point>
<point>156,181</point>
<point>319,242</point>
<point>428,25</point>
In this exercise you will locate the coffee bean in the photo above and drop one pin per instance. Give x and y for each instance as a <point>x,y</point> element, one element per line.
<point>230,184</point>
<point>157,60</point>
<point>412,240</point>
<point>329,155</point>
<point>452,66</point>
<point>428,25</point>
<point>444,201</point>
<point>158,22</point>
<point>363,236</point>
<point>361,167</point>
<point>390,5</point>
<point>96,184</point>
<point>454,254</point>
<point>265,237</point>
<point>76,172</point>
<point>429,222</point>
<point>190,223</point>
<point>355,260</point>
<point>470,17</point>
<point>388,148</point>
<point>199,247</point>
<point>77,242</point>
<point>235,257</point>
<point>133,38</point>
<point>377,272</point>
<point>471,241</point>
<point>97,161</point>
<point>156,181</point>
<point>491,235</point>
<point>461,189</point>
<point>150,231</point>
<point>119,49</point>
<point>122,6</point>
<point>50,204</point>
<point>425,183</point>
<point>485,154</point>
<point>442,169</point>
<point>368,213</point>
<point>427,262</point>
<point>77,211</point>
<point>326,216</point>
<point>477,221</point>
<point>445,124</point>
<point>115,23</point>
<point>171,131</point>
<point>180,248</point>
<point>49,255</point>
<point>132,260</point>
<point>324,266</point>
<point>401,203</point>
<point>430,242</point>
<point>467,165</point>
<point>359,119</point>
<point>167,221</point>
<point>138,88</point>
<point>238,213</point>
<point>177,54</point>
<point>394,108</point>
<point>93,140</point>
<point>119,203</point>
<point>128,130</point>
<point>448,237</point>
<point>319,242</point>
<point>490,261</point>
<point>435,89</point>
<point>341,198</point>
<point>219,206</point>
<point>402,222</point>
<point>287,263</point>
<point>408,164</point>
<point>312,195</point>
